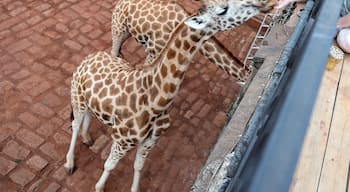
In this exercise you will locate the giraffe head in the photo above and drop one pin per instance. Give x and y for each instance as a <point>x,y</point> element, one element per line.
<point>235,12</point>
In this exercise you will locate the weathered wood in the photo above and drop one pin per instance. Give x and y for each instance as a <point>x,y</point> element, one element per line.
<point>309,167</point>
<point>334,175</point>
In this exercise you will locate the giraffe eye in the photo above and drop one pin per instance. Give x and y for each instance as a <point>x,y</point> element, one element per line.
<point>223,12</point>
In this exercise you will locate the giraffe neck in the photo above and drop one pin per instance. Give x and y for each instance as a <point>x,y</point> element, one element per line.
<point>169,68</point>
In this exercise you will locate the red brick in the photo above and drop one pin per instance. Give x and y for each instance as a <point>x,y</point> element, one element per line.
<point>204,111</point>
<point>53,34</point>
<point>21,74</point>
<point>19,45</point>
<point>51,100</point>
<point>86,28</point>
<point>100,142</point>
<point>34,85</point>
<point>6,166</point>
<point>189,114</point>
<point>49,150</point>
<point>35,19</point>
<point>29,120</point>
<point>94,34</point>
<point>72,45</point>
<point>42,110</point>
<point>29,138</point>
<point>42,7</point>
<point>9,23</point>
<point>6,86</point>
<point>5,33</point>
<point>16,151</point>
<point>22,176</point>
<point>219,119</point>
<point>37,163</point>
<point>65,112</point>
<point>39,68</point>
<point>19,27</point>
<point>10,68</point>
<point>62,28</point>
<point>197,106</point>
<point>61,138</point>
<point>60,174</point>
<point>40,39</point>
<point>53,187</point>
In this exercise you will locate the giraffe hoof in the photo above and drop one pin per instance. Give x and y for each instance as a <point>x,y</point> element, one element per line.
<point>69,170</point>
<point>89,143</point>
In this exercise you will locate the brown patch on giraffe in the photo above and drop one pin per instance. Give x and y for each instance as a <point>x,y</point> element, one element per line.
<point>150,18</point>
<point>105,117</point>
<point>186,45</point>
<point>171,54</point>
<point>129,88</point>
<point>132,103</point>
<point>153,92</point>
<point>114,90</point>
<point>143,119</point>
<point>178,74</point>
<point>143,100</point>
<point>146,26</point>
<point>164,71</point>
<point>124,131</point>
<point>172,16</point>
<point>172,87</point>
<point>130,79</point>
<point>177,43</point>
<point>95,104</point>
<point>149,79</point>
<point>121,100</point>
<point>130,123</point>
<point>181,58</point>
<point>162,102</point>
<point>103,93</point>
<point>218,58</point>
<point>125,114</point>
<point>115,133</point>
<point>138,84</point>
<point>209,48</point>
<point>107,106</point>
<point>132,132</point>
<point>195,38</point>
<point>172,68</point>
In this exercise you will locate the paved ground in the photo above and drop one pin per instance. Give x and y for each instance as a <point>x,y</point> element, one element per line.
<point>41,43</point>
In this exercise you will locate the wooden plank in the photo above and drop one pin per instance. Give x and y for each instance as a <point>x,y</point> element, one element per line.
<point>310,162</point>
<point>334,175</point>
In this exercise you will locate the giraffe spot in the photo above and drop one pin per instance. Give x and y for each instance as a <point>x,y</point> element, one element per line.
<point>143,119</point>
<point>218,58</point>
<point>186,45</point>
<point>132,132</point>
<point>103,93</point>
<point>160,42</point>
<point>122,99</point>
<point>130,123</point>
<point>132,104</point>
<point>177,43</point>
<point>143,100</point>
<point>150,79</point>
<point>107,106</point>
<point>209,48</point>
<point>172,16</point>
<point>192,50</point>
<point>195,38</point>
<point>162,102</point>
<point>182,59</point>
<point>153,93</point>
<point>138,84</point>
<point>158,80</point>
<point>130,79</point>
<point>162,121</point>
<point>106,117</point>
<point>145,27</point>
<point>178,74</point>
<point>164,71</point>
<point>125,114</point>
<point>156,111</point>
<point>115,133</point>
<point>150,18</point>
<point>114,90</point>
<point>129,88</point>
<point>95,104</point>
<point>123,131</point>
<point>184,33</point>
<point>172,87</point>
<point>172,68</point>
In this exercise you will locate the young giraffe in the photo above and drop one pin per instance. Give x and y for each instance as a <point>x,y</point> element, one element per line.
<point>134,102</point>
<point>152,22</point>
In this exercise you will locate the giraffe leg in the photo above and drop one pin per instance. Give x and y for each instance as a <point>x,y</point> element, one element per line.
<point>161,124</point>
<point>117,152</point>
<point>78,118</point>
<point>84,131</point>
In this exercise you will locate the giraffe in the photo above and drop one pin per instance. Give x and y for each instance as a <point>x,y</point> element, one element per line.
<point>153,21</point>
<point>133,101</point>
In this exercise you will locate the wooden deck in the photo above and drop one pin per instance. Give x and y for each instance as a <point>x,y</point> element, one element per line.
<point>325,158</point>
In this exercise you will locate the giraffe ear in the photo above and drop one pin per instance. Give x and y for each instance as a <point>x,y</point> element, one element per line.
<point>196,22</point>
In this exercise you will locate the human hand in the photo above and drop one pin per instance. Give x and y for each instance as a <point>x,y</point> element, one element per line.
<point>344,22</point>
<point>283,3</point>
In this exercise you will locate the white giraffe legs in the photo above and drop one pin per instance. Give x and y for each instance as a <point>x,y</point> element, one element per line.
<point>141,155</point>
<point>69,165</point>
<point>117,152</point>
<point>84,131</point>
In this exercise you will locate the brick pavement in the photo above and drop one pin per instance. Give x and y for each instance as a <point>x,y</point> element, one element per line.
<point>41,43</point>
